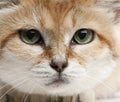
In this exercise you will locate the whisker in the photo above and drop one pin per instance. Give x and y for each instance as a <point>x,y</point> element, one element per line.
<point>28,94</point>
<point>17,85</point>
<point>101,82</point>
<point>7,84</point>
<point>39,86</point>
<point>14,73</point>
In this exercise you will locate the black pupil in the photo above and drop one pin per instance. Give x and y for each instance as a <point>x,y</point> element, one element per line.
<point>31,34</point>
<point>82,34</point>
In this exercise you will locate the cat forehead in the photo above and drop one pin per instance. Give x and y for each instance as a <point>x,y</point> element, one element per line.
<point>55,7</point>
<point>58,8</point>
<point>50,13</point>
<point>60,11</point>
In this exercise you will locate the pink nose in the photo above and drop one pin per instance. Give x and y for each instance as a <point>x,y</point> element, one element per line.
<point>59,66</point>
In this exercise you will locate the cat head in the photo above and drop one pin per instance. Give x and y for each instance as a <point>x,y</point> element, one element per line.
<point>59,47</point>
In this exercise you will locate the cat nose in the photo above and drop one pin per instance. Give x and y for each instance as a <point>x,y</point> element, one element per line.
<point>59,66</point>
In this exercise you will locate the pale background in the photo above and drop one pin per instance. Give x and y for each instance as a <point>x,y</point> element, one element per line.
<point>116,98</point>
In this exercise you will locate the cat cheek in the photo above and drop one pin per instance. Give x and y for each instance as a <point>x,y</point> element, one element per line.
<point>23,50</point>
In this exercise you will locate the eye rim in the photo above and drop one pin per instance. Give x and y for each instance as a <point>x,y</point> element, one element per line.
<point>39,41</point>
<point>74,42</point>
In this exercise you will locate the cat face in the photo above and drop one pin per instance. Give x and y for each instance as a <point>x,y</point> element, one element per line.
<point>56,47</point>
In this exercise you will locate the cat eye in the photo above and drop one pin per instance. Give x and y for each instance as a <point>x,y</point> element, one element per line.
<point>31,36</point>
<point>83,36</point>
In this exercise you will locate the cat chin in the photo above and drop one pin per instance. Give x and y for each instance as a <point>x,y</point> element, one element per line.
<point>53,91</point>
<point>70,89</point>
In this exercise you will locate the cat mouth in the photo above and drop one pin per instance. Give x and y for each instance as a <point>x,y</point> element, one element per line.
<point>59,81</point>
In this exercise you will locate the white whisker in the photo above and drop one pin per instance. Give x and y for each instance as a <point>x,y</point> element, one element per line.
<point>100,81</point>
<point>17,85</point>
<point>12,73</point>
<point>11,82</point>
<point>29,94</point>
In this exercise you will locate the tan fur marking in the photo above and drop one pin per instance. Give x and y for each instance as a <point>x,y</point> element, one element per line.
<point>56,19</point>
<point>6,39</point>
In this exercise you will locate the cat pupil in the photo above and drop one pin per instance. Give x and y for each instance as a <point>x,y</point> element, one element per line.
<point>82,35</point>
<point>31,35</point>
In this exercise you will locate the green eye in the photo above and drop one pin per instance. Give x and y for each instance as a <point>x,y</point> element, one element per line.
<point>83,36</point>
<point>31,36</point>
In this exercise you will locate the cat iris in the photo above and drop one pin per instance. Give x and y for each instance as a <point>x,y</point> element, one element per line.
<point>31,36</point>
<point>81,36</point>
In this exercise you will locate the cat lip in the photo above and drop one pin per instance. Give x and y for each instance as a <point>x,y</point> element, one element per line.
<point>58,81</point>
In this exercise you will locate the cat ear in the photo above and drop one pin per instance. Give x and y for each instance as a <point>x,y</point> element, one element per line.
<point>111,6</point>
<point>8,3</point>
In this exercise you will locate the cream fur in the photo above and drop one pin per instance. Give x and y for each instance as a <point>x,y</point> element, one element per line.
<point>93,69</point>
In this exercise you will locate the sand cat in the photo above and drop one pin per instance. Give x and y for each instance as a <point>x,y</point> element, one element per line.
<point>60,47</point>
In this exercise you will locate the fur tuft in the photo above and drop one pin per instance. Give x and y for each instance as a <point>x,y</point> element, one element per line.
<point>8,3</point>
